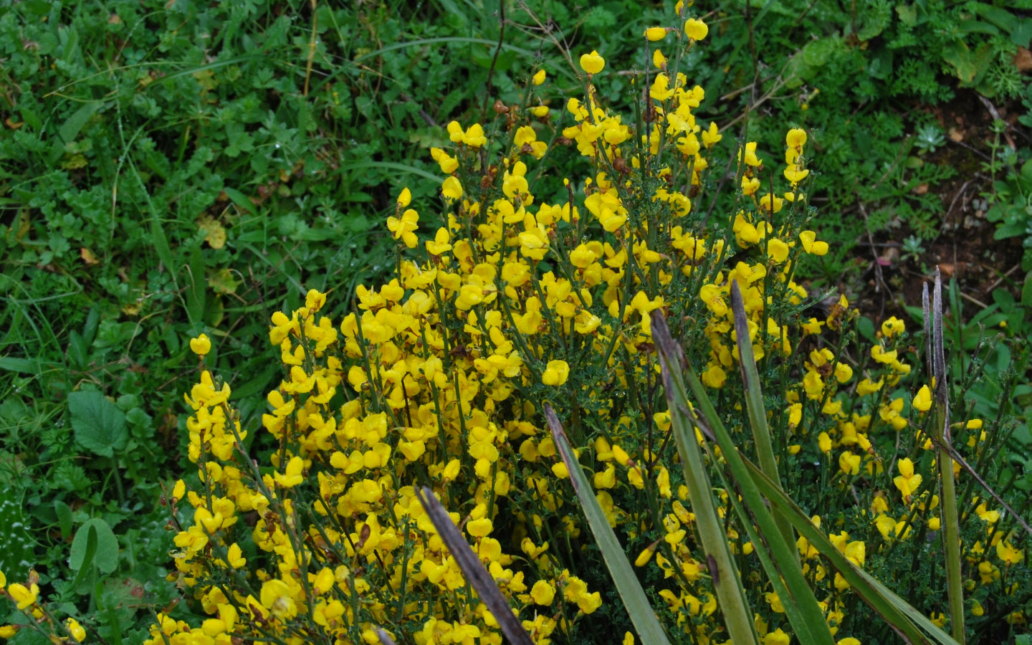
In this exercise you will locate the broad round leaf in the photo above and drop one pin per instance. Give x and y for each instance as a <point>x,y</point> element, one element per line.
<point>98,423</point>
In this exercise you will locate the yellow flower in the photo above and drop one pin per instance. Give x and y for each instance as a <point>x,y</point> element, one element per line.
<point>75,629</point>
<point>592,63</point>
<point>8,631</point>
<point>923,400</point>
<point>1006,552</point>
<point>848,641</point>
<point>796,138</point>
<point>796,173</point>
<point>200,345</point>
<point>543,593</point>
<point>990,517</point>
<point>644,557</point>
<point>448,163</point>
<point>405,198</point>
<point>556,373</point>
<point>235,556</point>
<point>3,580</point>
<point>539,77</point>
<point>988,572</point>
<point>451,189</point>
<point>750,154</point>
<point>696,29</point>
<point>293,475</point>
<point>711,136</point>
<point>777,637</point>
<point>866,387</point>
<point>907,482</point>
<point>824,442</point>
<point>480,528</point>
<point>810,245</point>
<point>893,327</point>
<point>655,33</point>
<point>277,598</point>
<point>885,525</point>
<point>24,596</point>
<point>404,228</point>
<point>769,201</point>
<point>849,463</point>
<point>777,250</point>
<point>473,137</point>
<point>659,60</point>
<point>714,376</point>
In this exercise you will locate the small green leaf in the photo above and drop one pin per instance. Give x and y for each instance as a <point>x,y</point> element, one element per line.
<point>84,549</point>
<point>98,423</point>
<point>241,200</point>
<point>64,518</point>
<point>74,124</point>
<point>907,14</point>
<point>22,365</point>
<point>105,551</point>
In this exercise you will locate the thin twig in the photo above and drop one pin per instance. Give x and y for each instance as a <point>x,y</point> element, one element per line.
<point>311,47</point>
<point>973,300</point>
<point>422,113</point>
<point>972,149</point>
<point>895,162</point>
<point>956,197</point>
<point>498,50</point>
<point>879,277</point>
<point>1004,277</point>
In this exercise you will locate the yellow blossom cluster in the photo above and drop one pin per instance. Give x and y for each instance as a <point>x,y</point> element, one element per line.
<point>518,295</point>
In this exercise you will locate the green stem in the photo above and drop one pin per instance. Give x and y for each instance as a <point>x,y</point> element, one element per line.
<point>955,584</point>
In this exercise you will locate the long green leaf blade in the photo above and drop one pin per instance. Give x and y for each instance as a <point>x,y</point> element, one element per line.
<point>726,580</point>
<point>633,596</point>
<point>896,611</point>
<point>754,403</point>
<point>944,462</point>
<point>781,562</point>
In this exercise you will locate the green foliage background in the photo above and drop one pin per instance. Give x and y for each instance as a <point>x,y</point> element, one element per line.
<point>171,167</point>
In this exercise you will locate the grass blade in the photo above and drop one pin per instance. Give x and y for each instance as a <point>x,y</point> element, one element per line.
<point>387,165</point>
<point>900,615</point>
<point>944,462</point>
<point>726,580</point>
<point>633,596</point>
<point>754,404</point>
<point>473,569</point>
<point>443,39</point>
<point>781,562</point>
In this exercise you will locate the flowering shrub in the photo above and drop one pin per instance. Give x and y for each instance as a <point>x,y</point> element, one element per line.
<point>518,298</point>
